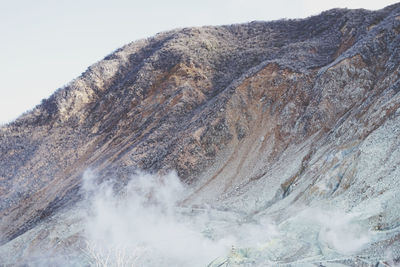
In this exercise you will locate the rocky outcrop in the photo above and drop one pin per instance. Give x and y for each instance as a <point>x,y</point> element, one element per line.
<point>255,117</point>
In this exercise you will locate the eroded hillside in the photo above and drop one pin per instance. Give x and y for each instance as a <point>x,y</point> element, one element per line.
<point>255,118</point>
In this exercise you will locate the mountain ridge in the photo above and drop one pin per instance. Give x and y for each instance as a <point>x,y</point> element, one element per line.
<point>201,101</point>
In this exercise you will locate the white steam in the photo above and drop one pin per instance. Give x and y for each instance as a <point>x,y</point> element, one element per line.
<point>339,231</point>
<point>145,226</point>
<point>144,223</point>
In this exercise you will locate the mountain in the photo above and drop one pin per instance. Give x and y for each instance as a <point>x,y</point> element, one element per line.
<point>280,120</point>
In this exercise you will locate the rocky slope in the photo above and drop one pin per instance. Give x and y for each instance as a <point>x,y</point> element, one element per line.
<point>258,119</point>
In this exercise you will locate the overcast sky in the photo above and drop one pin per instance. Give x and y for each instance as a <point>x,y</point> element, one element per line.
<point>47,43</point>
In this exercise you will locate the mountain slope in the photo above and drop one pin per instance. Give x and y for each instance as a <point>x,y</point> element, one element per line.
<point>255,118</point>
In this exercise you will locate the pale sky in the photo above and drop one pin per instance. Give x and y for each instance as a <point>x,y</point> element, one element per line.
<point>44,44</point>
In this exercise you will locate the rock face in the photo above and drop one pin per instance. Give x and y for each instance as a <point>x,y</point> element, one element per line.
<point>256,118</point>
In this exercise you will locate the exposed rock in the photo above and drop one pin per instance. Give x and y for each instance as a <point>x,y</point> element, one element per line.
<point>256,117</point>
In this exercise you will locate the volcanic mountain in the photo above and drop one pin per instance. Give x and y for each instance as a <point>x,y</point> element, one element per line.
<point>297,121</point>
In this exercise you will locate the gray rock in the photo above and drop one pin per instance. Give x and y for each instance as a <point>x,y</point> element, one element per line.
<point>256,118</point>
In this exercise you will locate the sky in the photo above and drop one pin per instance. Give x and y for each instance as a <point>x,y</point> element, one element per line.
<point>44,44</point>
